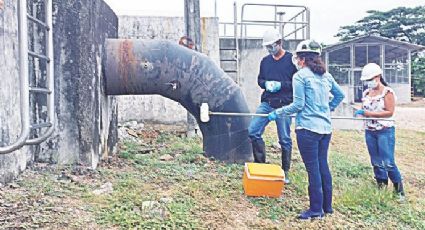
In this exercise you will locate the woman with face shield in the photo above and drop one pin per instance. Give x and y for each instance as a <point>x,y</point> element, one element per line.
<point>312,106</point>
<point>379,101</point>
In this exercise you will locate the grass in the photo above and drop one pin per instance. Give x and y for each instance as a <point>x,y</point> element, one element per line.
<point>189,191</point>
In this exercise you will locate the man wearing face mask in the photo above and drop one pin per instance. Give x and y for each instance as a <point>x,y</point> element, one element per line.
<point>275,78</point>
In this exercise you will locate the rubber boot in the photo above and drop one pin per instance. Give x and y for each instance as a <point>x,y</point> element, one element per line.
<point>259,150</point>
<point>286,160</point>
<point>286,181</point>
<point>286,164</point>
<point>382,183</point>
<point>399,190</point>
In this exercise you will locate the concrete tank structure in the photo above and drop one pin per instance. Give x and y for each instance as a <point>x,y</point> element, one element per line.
<point>86,118</point>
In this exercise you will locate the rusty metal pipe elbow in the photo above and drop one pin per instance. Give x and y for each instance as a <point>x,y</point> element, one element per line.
<point>142,67</point>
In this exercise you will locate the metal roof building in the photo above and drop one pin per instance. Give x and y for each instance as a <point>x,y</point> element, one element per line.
<point>345,61</point>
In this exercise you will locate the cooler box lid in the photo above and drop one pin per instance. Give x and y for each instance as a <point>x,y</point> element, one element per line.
<point>265,170</point>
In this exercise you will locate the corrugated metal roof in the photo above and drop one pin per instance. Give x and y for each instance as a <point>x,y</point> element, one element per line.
<point>375,39</point>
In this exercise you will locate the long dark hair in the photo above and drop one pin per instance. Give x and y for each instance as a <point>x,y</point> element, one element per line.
<point>314,62</point>
<point>381,79</point>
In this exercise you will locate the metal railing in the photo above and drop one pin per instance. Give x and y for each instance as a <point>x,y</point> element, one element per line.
<point>47,25</point>
<point>300,20</point>
<point>25,89</point>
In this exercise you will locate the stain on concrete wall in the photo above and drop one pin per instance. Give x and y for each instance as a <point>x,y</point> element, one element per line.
<point>154,108</point>
<point>80,29</point>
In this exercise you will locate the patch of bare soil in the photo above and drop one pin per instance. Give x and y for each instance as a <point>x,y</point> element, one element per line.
<point>36,200</point>
<point>417,102</point>
<point>48,197</point>
<point>412,118</point>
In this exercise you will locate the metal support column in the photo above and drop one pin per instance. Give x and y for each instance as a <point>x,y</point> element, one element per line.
<point>192,21</point>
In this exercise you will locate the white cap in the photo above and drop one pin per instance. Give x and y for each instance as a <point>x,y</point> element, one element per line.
<point>370,71</point>
<point>271,36</point>
<point>309,46</point>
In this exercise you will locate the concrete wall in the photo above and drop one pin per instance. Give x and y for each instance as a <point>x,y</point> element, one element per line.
<point>349,94</point>
<point>249,67</point>
<point>86,118</point>
<point>154,108</point>
<point>402,91</point>
<point>10,126</point>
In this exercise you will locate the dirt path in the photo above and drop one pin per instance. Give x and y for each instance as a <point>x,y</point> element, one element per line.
<point>412,118</point>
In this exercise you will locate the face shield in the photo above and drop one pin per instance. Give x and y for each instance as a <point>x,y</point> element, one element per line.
<point>273,49</point>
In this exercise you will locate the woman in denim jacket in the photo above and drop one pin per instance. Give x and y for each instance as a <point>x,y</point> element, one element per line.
<point>379,101</point>
<point>312,105</point>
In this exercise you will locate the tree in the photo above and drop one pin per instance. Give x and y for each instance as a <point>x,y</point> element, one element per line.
<point>418,76</point>
<point>402,24</point>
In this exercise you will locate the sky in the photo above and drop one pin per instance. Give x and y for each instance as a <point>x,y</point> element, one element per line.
<point>327,16</point>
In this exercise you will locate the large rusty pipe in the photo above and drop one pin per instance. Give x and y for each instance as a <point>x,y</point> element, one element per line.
<point>140,67</point>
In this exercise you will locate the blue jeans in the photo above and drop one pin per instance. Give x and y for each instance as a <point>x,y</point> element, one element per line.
<point>314,152</point>
<point>283,123</point>
<point>381,144</point>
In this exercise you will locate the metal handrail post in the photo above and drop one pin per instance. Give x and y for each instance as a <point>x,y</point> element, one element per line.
<point>50,76</point>
<point>303,19</point>
<point>23,77</point>
<point>242,14</point>
<point>281,23</point>
<point>235,31</point>
<point>308,20</point>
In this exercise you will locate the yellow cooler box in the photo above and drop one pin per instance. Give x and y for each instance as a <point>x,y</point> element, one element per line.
<point>263,180</point>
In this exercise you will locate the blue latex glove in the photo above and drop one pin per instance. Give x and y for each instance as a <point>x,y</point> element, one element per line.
<point>272,116</point>
<point>359,112</point>
<point>269,86</point>
<point>277,86</point>
<point>273,86</point>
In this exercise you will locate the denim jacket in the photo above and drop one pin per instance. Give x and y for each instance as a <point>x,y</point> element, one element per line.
<point>312,101</point>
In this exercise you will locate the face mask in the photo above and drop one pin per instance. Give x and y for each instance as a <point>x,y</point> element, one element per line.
<point>295,62</point>
<point>273,49</point>
<point>372,84</point>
